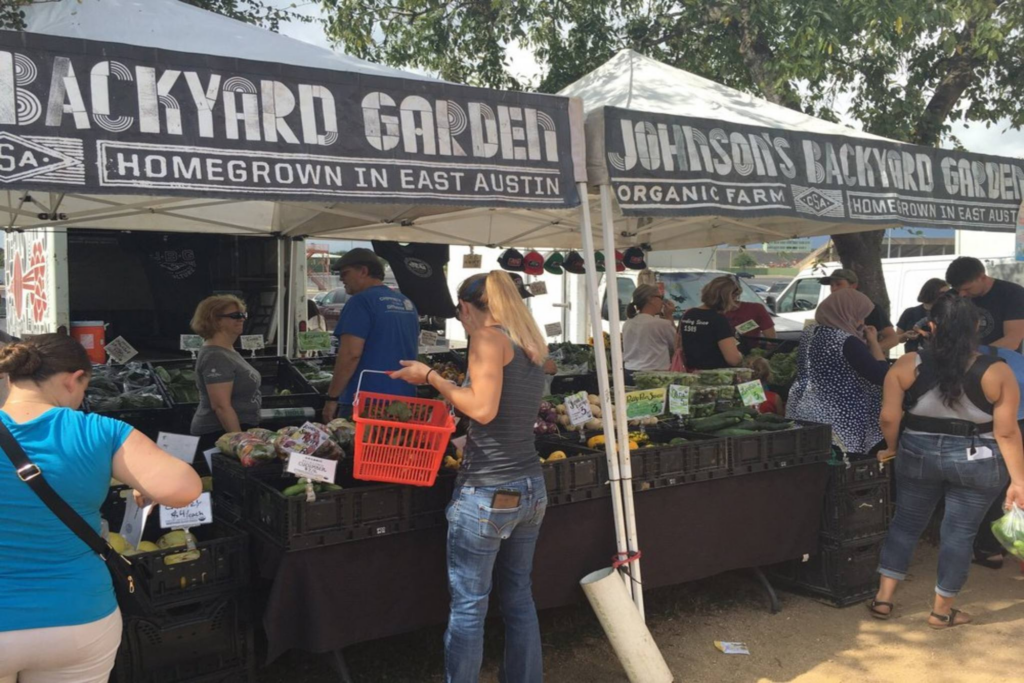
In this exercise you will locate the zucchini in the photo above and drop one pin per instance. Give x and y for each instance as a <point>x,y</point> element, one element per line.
<point>771,417</point>
<point>742,413</point>
<point>714,423</point>
<point>734,431</point>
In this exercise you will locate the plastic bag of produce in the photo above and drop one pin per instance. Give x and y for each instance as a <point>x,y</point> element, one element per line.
<point>657,380</point>
<point>1009,530</point>
<point>136,376</point>
<point>716,377</point>
<point>264,435</point>
<point>343,431</point>
<point>142,399</point>
<point>253,451</point>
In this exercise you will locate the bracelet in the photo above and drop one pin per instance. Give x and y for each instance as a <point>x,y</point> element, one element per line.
<point>426,380</point>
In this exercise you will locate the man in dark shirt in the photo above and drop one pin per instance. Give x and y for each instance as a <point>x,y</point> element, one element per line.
<point>1000,303</point>
<point>841,278</point>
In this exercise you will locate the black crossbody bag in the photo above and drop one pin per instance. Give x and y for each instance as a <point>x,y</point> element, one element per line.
<point>121,570</point>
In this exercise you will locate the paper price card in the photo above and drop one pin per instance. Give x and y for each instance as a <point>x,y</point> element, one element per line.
<point>538,288</point>
<point>196,513</point>
<point>120,351</point>
<point>553,329</point>
<point>752,393</point>
<point>310,467</point>
<point>191,342</point>
<point>428,338</point>
<point>252,342</point>
<point>472,261</point>
<point>577,407</point>
<point>134,520</point>
<point>678,399</point>
<point>748,326</point>
<point>181,446</point>
<point>645,403</point>
<point>314,341</point>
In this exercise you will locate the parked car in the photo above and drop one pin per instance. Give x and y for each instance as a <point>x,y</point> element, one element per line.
<point>330,306</point>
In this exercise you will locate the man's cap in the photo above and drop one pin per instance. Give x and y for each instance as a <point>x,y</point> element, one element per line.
<point>518,280</point>
<point>574,263</point>
<point>511,259</point>
<point>533,263</point>
<point>599,259</point>
<point>841,274</point>
<point>619,265</point>
<point>634,259</point>
<point>357,257</point>
<point>554,263</point>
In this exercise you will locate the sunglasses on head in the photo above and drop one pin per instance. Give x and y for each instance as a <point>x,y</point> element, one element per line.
<point>237,315</point>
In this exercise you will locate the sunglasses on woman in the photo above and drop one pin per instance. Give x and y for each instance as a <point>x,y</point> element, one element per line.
<point>235,316</point>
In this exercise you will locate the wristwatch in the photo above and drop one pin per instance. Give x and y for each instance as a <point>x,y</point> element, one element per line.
<point>333,399</point>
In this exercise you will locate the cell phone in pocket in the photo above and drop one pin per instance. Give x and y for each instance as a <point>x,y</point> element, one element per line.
<point>505,499</point>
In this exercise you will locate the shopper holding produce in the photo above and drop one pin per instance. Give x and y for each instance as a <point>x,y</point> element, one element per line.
<point>707,338</point>
<point>914,319</point>
<point>958,412</point>
<point>59,619</point>
<point>229,388</point>
<point>648,335</point>
<point>840,370</point>
<point>495,515</point>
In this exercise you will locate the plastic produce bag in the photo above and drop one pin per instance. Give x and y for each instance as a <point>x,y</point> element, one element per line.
<point>1009,530</point>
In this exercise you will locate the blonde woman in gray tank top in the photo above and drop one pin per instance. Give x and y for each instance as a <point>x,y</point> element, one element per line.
<point>960,440</point>
<point>499,499</point>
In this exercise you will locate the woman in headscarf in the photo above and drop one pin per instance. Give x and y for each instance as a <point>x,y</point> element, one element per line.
<point>840,372</point>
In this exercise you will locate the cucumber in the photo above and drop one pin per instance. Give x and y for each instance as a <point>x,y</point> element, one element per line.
<point>743,413</point>
<point>771,417</point>
<point>714,423</point>
<point>734,431</point>
<point>294,490</point>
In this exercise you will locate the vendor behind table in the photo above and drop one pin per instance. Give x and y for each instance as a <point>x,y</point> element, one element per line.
<point>707,338</point>
<point>648,335</point>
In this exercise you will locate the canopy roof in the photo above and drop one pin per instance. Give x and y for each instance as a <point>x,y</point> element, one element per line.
<point>152,115</point>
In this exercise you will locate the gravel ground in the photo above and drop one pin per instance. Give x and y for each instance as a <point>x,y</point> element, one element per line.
<point>807,642</point>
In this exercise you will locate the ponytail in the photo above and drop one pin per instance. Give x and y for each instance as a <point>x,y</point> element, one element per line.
<point>631,311</point>
<point>497,293</point>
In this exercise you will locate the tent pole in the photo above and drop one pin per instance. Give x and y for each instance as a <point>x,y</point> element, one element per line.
<point>601,365</point>
<point>619,383</point>
<point>282,298</point>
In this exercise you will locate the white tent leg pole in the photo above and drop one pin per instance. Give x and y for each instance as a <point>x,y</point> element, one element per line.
<point>619,383</point>
<point>282,298</point>
<point>601,365</point>
<point>289,309</point>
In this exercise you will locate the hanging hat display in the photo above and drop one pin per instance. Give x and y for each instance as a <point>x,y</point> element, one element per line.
<point>511,259</point>
<point>533,263</point>
<point>554,263</point>
<point>523,291</point>
<point>574,263</point>
<point>634,259</point>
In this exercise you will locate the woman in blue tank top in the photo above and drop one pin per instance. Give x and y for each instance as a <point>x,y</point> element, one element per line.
<point>58,615</point>
<point>499,499</point>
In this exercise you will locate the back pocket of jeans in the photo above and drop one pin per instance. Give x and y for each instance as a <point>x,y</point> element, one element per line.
<point>980,474</point>
<point>495,523</point>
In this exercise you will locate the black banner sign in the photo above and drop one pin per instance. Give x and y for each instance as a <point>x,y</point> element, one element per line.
<point>100,118</point>
<point>681,166</point>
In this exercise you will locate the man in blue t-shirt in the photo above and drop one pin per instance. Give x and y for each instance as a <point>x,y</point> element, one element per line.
<point>378,328</point>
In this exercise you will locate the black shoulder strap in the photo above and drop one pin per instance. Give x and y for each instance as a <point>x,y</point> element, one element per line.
<point>972,381</point>
<point>925,382</point>
<point>30,473</point>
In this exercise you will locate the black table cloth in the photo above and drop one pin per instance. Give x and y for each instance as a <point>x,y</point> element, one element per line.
<point>332,597</point>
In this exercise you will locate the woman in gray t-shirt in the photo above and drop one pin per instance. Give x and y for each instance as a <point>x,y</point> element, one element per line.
<point>229,388</point>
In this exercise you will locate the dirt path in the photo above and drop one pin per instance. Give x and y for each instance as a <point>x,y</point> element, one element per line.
<point>807,642</point>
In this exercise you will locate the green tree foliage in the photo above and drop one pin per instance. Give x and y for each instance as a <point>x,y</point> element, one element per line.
<point>906,68</point>
<point>744,260</point>
<point>259,12</point>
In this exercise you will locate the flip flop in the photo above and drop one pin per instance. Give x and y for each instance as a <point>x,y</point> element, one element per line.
<point>949,620</point>
<point>875,604</point>
<point>988,562</point>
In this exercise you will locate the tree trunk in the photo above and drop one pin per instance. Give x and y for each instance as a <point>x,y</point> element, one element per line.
<point>862,253</point>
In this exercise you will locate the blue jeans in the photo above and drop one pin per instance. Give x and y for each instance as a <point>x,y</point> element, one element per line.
<point>929,466</point>
<point>485,542</point>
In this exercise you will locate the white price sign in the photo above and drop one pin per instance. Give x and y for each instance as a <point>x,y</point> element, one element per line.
<point>134,523</point>
<point>538,288</point>
<point>310,467</point>
<point>181,446</point>
<point>191,342</point>
<point>428,338</point>
<point>752,393</point>
<point>120,351</point>
<point>678,399</point>
<point>553,329</point>
<point>472,261</point>
<point>577,407</point>
<point>198,512</point>
<point>252,342</point>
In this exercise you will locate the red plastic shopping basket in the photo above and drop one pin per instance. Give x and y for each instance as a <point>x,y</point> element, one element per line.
<point>399,452</point>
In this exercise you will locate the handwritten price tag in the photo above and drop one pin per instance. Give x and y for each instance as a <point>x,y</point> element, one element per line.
<point>181,446</point>
<point>120,351</point>
<point>310,467</point>
<point>428,338</point>
<point>678,400</point>
<point>191,342</point>
<point>577,407</point>
<point>198,512</point>
<point>553,329</point>
<point>645,403</point>
<point>252,342</point>
<point>748,326</point>
<point>752,393</point>
<point>472,261</point>
<point>538,288</point>
<point>134,523</point>
<point>314,341</point>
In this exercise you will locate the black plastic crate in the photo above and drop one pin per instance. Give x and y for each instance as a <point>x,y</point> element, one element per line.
<point>200,642</point>
<point>815,440</point>
<point>857,470</point>
<point>803,444</point>
<point>841,575</point>
<point>229,477</point>
<point>341,516</point>
<point>583,475</point>
<point>113,507</point>
<point>856,511</point>
<point>277,375</point>
<point>573,384</point>
<point>149,421</point>
<point>702,457</point>
<point>222,567</point>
